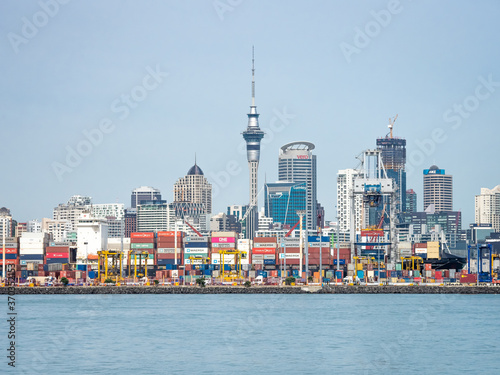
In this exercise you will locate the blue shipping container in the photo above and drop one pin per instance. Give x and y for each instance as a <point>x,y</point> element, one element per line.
<point>31,257</point>
<point>341,261</point>
<point>316,239</point>
<point>92,274</point>
<point>202,245</point>
<point>264,274</point>
<point>269,261</point>
<point>80,267</point>
<point>9,256</point>
<point>57,260</point>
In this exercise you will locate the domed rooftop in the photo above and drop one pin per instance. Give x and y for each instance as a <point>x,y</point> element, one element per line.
<point>195,170</point>
<point>433,168</point>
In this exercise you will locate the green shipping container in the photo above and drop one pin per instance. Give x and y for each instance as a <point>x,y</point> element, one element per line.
<point>398,267</point>
<point>142,245</point>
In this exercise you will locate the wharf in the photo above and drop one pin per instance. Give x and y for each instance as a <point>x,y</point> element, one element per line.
<point>341,289</point>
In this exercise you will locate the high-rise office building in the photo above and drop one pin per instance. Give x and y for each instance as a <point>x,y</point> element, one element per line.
<point>394,160</point>
<point>144,193</point>
<point>487,207</point>
<point>282,201</point>
<point>298,164</point>
<point>253,135</point>
<point>194,188</point>
<point>411,201</point>
<point>153,216</point>
<point>130,221</point>
<point>345,185</point>
<point>438,189</point>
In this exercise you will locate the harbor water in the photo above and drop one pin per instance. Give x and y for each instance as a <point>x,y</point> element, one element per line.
<point>254,334</point>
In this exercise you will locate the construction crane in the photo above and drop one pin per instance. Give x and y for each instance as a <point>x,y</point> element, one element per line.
<point>193,228</point>
<point>391,123</point>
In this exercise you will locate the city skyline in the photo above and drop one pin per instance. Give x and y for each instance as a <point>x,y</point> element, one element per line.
<point>306,91</point>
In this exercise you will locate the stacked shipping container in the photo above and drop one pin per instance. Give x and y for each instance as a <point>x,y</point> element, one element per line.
<point>142,241</point>
<point>32,248</point>
<point>11,251</point>
<point>170,248</point>
<point>264,251</point>
<point>196,250</point>
<point>223,241</point>
<point>57,254</point>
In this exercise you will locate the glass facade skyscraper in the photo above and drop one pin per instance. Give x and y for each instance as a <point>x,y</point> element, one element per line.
<point>298,164</point>
<point>283,199</point>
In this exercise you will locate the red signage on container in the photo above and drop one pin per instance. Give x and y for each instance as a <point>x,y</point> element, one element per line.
<point>9,251</point>
<point>57,255</point>
<point>263,250</point>
<point>142,235</point>
<point>169,234</point>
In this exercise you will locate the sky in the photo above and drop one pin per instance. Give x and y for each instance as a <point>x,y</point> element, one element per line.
<point>100,97</point>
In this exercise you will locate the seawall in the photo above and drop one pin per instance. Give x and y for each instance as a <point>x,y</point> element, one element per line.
<point>343,289</point>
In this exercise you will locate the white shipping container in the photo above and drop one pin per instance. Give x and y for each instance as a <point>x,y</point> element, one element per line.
<point>257,261</point>
<point>269,256</point>
<point>289,256</point>
<point>198,250</point>
<point>32,251</point>
<point>269,245</point>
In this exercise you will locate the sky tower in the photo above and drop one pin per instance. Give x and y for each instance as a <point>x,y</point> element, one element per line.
<point>253,135</point>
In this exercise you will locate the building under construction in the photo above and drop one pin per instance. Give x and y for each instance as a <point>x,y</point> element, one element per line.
<point>394,160</point>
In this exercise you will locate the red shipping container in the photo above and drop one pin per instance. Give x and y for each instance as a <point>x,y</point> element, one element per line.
<point>472,278</point>
<point>9,261</point>
<point>168,256</point>
<point>265,239</point>
<point>57,249</point>
<point>263,250</point>
<point>169,234</point>
<point>142,235</point>
<point>189,267</point>
<point>57,255</point>
<point>8,251</point>
<point>142,240</point>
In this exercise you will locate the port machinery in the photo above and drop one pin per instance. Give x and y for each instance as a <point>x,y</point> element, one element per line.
<point>372,184</point>
<point>231,275</point>
<point>138,263</point>
<point>110,266</point>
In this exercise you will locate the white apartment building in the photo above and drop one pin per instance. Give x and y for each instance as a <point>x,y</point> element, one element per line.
<point>487,207</point>
<point>345,184</point>
<point>58,229</point>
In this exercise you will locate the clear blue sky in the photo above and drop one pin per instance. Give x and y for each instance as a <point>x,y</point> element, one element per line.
<point>68,74</point>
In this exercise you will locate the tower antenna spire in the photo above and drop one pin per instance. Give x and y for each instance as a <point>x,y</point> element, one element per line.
<point>253,77</point>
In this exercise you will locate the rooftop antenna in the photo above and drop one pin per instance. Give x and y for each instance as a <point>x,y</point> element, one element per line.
<point>253,77</point>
